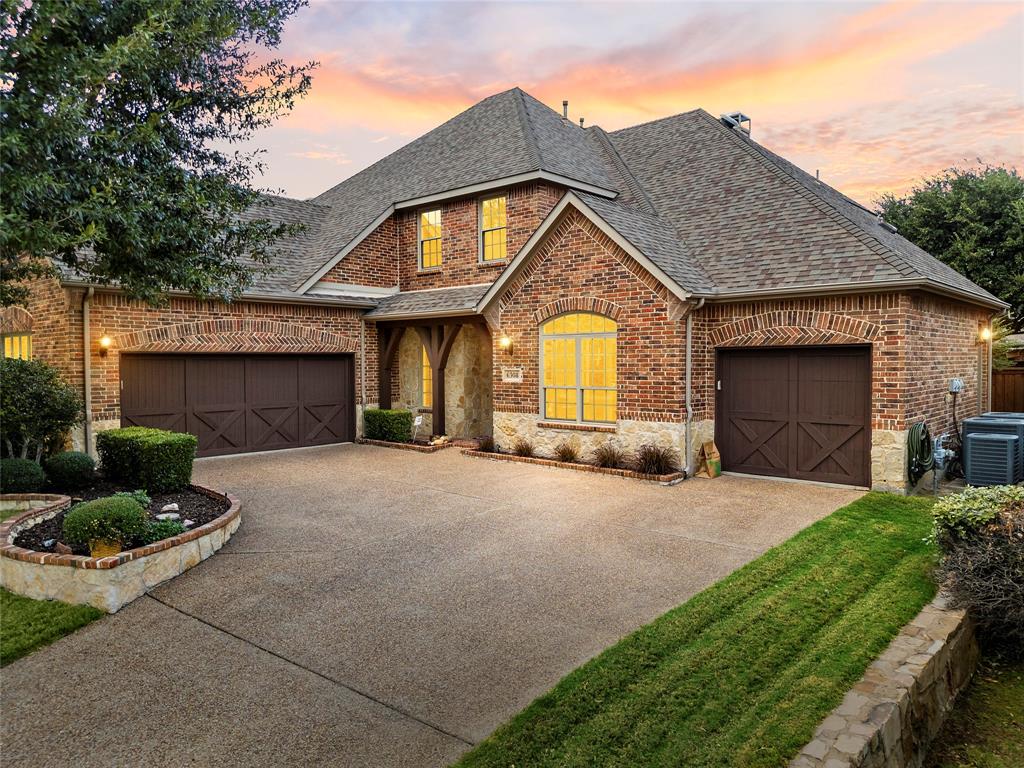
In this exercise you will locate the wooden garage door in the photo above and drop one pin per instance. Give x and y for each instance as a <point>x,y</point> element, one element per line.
<point>803,413</point>
<point>239,403</point>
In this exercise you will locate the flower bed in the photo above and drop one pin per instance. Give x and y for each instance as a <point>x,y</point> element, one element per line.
<point>107,583</point>
<point>669,479</point>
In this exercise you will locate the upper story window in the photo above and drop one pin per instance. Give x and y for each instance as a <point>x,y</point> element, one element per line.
<point>18,345</point>
<point>427,379</point>
<point>578,368</point>
<point>430,239</point>
<point>493,237</point>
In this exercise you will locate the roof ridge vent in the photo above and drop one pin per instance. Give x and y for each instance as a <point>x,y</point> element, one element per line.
<point>737,120</point>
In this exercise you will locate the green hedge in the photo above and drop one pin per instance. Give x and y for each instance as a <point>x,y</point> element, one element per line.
<point>153,459</point>
<point>71,471</point>
<point>21,476</point>
<point>115,518</point>
<point>392,425</point>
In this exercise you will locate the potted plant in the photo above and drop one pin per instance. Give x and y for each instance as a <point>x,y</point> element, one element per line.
<point>105,525</point>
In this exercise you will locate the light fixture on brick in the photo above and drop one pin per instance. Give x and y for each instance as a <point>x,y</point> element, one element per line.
<point>105,343</point>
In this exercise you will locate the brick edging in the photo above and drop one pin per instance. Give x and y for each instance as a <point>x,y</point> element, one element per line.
<point>11,527</point>
<point>405,446</point>
<point>670,479</point>
<point>889,718</point>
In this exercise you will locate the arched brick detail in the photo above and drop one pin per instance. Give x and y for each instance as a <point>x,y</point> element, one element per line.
<point>15,320</point>
<point>793,328</point>
<point>577,304</point>
<point>234,335</point>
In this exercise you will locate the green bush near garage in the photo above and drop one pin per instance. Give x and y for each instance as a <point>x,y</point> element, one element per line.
<point>21,476</point>
<point>71,470</point>
<point>142,457</point>
<point>392,425</point>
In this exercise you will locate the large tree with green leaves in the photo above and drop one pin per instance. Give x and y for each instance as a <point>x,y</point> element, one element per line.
<point>116,130</point>
<point>972,219</point>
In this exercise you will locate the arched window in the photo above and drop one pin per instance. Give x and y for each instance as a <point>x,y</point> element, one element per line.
<point>578,368</point>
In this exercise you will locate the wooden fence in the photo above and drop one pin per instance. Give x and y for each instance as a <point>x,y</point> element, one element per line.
<point>1008,390</point>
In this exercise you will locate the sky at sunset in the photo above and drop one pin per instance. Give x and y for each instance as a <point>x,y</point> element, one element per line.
<point>874,95</point>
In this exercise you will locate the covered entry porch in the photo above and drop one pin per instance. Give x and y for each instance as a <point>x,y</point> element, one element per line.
<point>440,369</point>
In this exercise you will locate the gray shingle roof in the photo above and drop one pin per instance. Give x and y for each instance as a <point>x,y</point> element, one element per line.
<point>462,299</point>
<point>756,222</point>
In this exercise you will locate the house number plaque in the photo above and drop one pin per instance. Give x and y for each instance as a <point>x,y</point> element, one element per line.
<point>512,374</point>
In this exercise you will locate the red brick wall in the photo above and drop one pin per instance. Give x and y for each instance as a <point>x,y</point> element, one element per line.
<point>527,206</point>
<point>55,321</point>
<point>579,268</point>
<point>942,343</point>
<point>373,262</point>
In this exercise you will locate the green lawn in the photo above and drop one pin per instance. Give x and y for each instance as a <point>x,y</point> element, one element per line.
<point>741,674</point>
<point>986,728</point>
<point>27,624</point>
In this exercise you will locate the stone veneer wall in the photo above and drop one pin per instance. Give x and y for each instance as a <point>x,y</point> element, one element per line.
<point>891,716</point>
<point>467,384</point>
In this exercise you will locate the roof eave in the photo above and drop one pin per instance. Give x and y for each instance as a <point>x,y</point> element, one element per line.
<point>826,289</point>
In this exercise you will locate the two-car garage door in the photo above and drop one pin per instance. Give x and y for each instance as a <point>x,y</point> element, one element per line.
<point>239,403</point>
<point>798,412</point>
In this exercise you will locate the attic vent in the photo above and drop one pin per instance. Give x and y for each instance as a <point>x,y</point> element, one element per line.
<point>886,225</point>
<point>738,120</point>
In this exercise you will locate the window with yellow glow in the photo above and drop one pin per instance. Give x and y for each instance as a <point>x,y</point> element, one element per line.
<point>18,345</point>
<point>430,239</point>
<point>578,368</point>
<point>428,381</point>
<point>493,228</point>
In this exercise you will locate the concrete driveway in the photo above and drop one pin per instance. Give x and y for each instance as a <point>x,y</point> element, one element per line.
<point>383,607</point>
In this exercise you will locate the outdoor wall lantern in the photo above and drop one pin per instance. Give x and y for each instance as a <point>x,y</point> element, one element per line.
<point>505,342</point>
<point>985,335</point>
<point>105,343</point>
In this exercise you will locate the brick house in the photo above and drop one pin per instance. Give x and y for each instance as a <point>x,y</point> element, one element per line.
<point>513,273</point>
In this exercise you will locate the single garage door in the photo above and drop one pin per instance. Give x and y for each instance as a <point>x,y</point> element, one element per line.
<point>802,413</point>
<point>239,403</point>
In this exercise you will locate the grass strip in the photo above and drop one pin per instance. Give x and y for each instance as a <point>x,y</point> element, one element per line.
<point>742,673</point>
<point>27,624</point>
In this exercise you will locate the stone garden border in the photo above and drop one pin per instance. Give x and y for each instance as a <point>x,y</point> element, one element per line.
<point>107,583</point>
<point>418,448</point>
<point>670,479</point>
<point>891,716</point>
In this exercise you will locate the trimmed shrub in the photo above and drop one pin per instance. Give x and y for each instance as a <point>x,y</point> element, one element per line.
<point>568,452</point>
<point>160,530</point>
<point>485,444</point>
<point>522,447</point>
<point>21,476</point>
<point>393,425</point>
<point>37,408</point>
<point>139,497</point>
<point>610,455</point>
<point>653,459</point>
<point>154,459</point>
<point>114,518</point>
<point>980,533</point>
<point>71,470</point>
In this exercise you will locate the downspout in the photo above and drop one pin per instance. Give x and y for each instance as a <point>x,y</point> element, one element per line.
<point>362,364</point>
<point>689,386</point>
<point>87,370</point>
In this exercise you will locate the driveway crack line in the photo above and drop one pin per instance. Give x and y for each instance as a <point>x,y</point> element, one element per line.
<point>321,675</point>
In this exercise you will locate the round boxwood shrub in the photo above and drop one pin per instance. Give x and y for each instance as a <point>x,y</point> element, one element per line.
<point>21,476</point>
<point>113,518</point>
<point>71,470</point>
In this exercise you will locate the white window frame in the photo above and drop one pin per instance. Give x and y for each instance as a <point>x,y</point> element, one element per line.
<point>578,337</point>
<point>480,227</point>
<point>419,237</point>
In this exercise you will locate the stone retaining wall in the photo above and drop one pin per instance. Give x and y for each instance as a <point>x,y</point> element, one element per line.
<point>891,716</point>
<point>107,583</point>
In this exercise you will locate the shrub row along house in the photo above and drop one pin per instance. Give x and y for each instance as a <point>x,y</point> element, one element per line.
<point>513,273</point>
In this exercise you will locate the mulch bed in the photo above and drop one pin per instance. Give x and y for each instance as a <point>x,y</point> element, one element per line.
<point>669,479</point>
<point>192,505</point>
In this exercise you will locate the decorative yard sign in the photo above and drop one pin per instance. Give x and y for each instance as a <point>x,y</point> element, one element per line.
<point>418,421</point>
<point>512,374</point>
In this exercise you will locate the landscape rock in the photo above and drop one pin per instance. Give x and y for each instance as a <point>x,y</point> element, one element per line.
<point>168,516</point>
